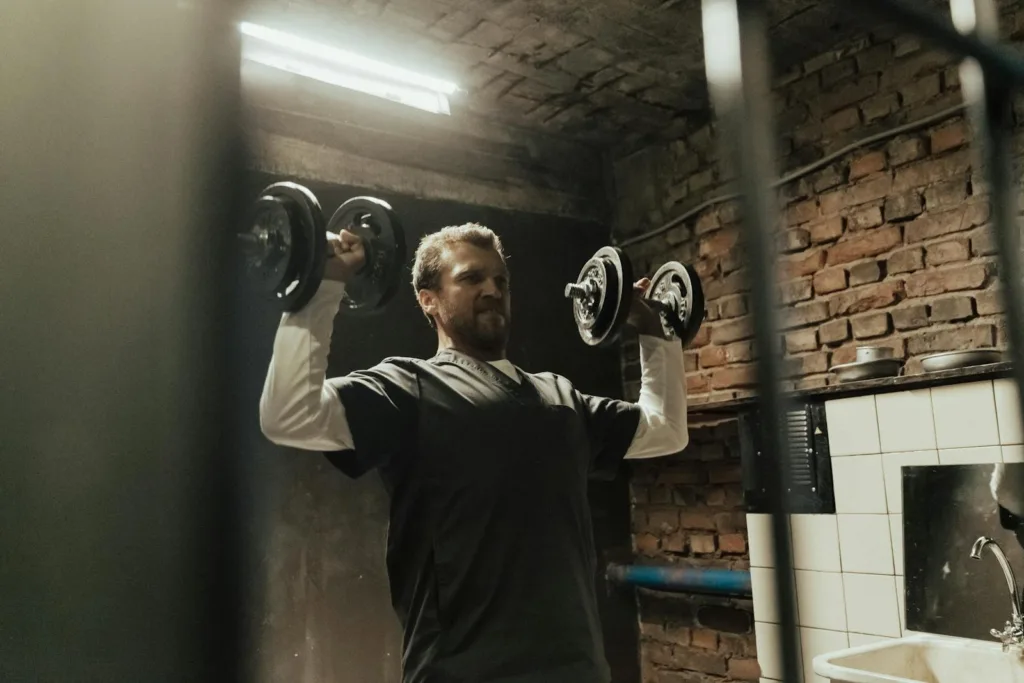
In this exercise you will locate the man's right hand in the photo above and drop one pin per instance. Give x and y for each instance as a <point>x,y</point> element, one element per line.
<point>345,256</point>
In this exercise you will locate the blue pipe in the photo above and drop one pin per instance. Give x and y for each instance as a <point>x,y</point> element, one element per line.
<point>734,582</point>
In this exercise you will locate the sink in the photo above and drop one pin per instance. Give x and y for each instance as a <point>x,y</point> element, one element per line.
<point>922,658</point>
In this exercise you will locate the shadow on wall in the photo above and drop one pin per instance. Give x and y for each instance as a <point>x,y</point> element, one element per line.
<point>946,509</point>
<point>325,612</point>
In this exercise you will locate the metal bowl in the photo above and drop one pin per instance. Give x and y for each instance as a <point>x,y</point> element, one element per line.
<point>872,369</point>
<point>951,360</point>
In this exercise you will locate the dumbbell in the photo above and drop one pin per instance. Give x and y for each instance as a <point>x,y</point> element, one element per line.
<point>285,247</point>
<point>603,293</point>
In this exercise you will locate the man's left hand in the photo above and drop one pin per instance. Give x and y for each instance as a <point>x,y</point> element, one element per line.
<point>642,317</point>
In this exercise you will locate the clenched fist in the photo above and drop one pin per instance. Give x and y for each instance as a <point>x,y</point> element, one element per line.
<point>345,256</point>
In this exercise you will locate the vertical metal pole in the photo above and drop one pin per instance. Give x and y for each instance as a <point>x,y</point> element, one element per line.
<point>738,70</point>
<point>990,107</point>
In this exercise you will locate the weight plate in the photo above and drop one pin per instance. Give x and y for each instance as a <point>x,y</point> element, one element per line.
<point>678,289</point>
<point>375,222</point>
<point>288,216</point>
<point>602,295</point>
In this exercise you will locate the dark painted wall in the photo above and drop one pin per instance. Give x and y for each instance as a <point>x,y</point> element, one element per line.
<point>324,611</point>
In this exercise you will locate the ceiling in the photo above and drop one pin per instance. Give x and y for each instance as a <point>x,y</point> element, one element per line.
<point>601,72</point>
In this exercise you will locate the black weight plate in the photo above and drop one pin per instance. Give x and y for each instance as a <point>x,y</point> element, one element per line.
<point>267,246</point>
<point>307,247</point>
<point>376,223</point>
<point>678,287</point>
<point>600,319</point>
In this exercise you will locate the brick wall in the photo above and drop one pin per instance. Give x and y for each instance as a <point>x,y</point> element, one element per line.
<point>688,510</point>
<point>889,244</point>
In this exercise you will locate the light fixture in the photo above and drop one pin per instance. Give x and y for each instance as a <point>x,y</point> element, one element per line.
<point>327,64</point>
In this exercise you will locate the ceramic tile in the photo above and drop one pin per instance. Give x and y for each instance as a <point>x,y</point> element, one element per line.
<point>1013,453</point>
<point>1007,412</point>
<point>905,421</point>
<point>865,543</point>
<point>820,600</point>
<point>859,484</point>
<point>896,531</point>
<point>852,426</point>
<point>871,604</point>
<point>858,639</point>
<point>815,542</point>
<point>901,603</point>
<point>814,642</point>
<point>762,585</point>
<point>965,415</point>
<point>892,464</point>
<point>760,540</point>
<point>971,456</point>
<point>768,637</point>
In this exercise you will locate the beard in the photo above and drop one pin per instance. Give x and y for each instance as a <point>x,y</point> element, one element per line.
<point>483,328</point>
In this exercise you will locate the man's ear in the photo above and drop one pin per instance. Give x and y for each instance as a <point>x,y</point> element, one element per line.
<point>428,302</point>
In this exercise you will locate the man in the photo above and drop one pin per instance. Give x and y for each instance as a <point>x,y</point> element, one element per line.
<point>490,555</point>
<point>1007,487</point>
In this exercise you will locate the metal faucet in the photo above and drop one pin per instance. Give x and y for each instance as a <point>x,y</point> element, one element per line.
<point>1012,636</point>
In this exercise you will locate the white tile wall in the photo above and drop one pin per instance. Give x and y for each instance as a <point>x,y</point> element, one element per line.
<point>866,543</point>
<point>965,415</point>
<point>849,566</point>
<point>852,426</point>
<point>858,639</point>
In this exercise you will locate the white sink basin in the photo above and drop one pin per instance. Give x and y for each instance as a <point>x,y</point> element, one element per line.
<point>922,658</point>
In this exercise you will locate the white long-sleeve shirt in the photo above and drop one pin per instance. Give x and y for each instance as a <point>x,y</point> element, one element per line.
<point>300,409</point>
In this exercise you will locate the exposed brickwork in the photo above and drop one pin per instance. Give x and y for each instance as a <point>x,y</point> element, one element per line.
<point>890,244</point>
<point>688,509</point>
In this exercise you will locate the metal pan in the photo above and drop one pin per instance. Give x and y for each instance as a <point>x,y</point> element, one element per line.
<point>951,360</point>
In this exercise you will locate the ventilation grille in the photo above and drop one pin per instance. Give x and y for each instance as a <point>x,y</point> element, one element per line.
<point>801,448</point>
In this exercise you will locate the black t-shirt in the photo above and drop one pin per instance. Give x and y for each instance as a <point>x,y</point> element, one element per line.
<point>490,553</point>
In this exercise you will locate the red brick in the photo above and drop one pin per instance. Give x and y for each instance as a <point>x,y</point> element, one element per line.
<point>707,222</point>
<point>866,298</point>
<point>646,544</point>
<point>802,340</point>
<point>869,189</point>
<point>734,330</point>
<point>903,206</point>
<point>866,164</point>
<point>957,338</point>
<point>663,520</point>
<point>742,352</point>
<point>717,243</point>
<point>865,273</point>
<point>732,543</point>
<point>906,261</point>
<point>826,230</point>
<point>870,326</point>
<point>794,240</point>
<point>802,212</point>
<point>712,356</point>
<point>805,364</point>
<point>744,669</point>
<point>725,473</point>
<point>862,219</point>
<point>845,119</point>
<point>674,543</point>
<point>697,520</point>
<point>731,522</point>
<point>795,290</point>
<point>705,639</point>
<point>834,331</point>
<point>733,377</point>
<point>955,279</point>
<point>910,317</point>
<point>878,106</point>
<point>946,194</point>
<point>714,496</point>
<point>862,245</point>
<point>735,644</point>
<point>947,252</point>
<point>697,384</point>
<point>702,544</point>
<point>800,265</point>
<point>801,315</point>
<point>936,224</point>
<point>843,355</point>
<point>989,302</point>
<point>689,361</point>
<point>953,309</point>
<point>905,150</point>
<point>949,137</point>
<point>829,280</point>
<point>983,243</point>
<point>682,472</point>
<point>932,170</point>
<point>850,93</point>
<point>920,90</point>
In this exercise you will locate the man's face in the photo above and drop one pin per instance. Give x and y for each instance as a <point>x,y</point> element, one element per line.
<point>473,302</point>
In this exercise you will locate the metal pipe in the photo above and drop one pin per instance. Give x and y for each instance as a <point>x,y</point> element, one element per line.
<point>734,582</point>
<point>997,60</point>
<point>738,61</point>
